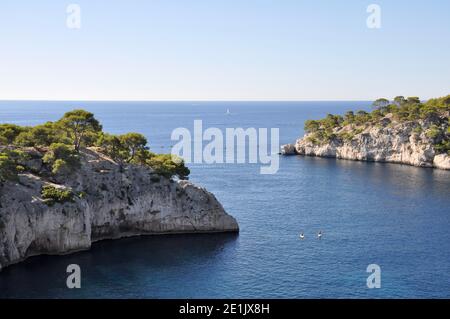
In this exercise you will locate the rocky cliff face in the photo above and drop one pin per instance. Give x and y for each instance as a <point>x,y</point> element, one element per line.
<point>116,202</point>
<point>386,142</point>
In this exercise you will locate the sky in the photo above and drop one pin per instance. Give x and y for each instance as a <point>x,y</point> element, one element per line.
<point>223,50</point>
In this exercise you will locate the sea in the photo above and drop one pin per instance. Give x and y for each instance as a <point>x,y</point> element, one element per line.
<point>395,217</point>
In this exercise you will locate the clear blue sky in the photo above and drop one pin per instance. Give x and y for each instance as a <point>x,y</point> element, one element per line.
<point>223,50</point>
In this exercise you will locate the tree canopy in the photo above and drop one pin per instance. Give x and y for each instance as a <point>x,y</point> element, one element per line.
<point>79,126</point>
<point>380,103</point>
<point>401,109</point>
<point>62,141</point>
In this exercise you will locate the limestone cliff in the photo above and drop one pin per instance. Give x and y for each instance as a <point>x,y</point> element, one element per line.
<point>114,201</point>
<point>387,141</point>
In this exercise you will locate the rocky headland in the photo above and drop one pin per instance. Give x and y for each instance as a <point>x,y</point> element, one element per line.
<point>56,200</point>
<point>405,132</point>
<point>109,201</point>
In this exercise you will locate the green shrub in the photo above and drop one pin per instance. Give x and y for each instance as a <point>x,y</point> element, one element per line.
<point>321,136</point>
<point>60,166</point>
<point>380,104</point>
<point>8,168</point>
<point>62,158</point>
<point>41,135</point>
<point>418,129</point>
<point>433,132</point>
<point>53,195</point>
<point>349,118</point>
<point>443,147</point>
<point>362,117</point>
<point>9,164</point>
<point>81,195</point>
<point>168,166</point>
<point>357,131</point>
<point>312,139</point>
<point>376,115</point>
<point>331,121</point>
<point>126,148</point>
<point>311,126</point>
<point>346,136</point>
<point>9,132</point>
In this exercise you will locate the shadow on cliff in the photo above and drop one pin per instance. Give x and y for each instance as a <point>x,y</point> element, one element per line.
<point>129,265</point>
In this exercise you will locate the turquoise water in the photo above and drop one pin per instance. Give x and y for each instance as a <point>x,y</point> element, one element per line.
<point>392,215</point>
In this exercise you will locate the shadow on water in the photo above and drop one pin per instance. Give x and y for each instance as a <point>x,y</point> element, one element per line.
<point>406,179</point>
<point>128,261</point>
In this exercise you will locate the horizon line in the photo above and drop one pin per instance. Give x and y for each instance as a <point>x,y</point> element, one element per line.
<point>187,100</point>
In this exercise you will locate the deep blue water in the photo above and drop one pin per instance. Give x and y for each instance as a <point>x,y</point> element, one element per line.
<point>392,215</point>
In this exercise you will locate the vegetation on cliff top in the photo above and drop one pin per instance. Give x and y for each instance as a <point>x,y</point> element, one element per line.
<point>61,142</point>
<point>52,195</point>
<point>9,167</point>
<point>400,110</point>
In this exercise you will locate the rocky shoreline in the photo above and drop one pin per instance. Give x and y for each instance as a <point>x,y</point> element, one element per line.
<point>113,201</point>
<point>388,141</point>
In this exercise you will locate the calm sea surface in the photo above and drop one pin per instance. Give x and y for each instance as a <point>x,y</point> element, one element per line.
<point>395,216</point>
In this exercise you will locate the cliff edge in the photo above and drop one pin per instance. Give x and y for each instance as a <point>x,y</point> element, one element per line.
<point>104,200</point>
<point>405,132</point>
